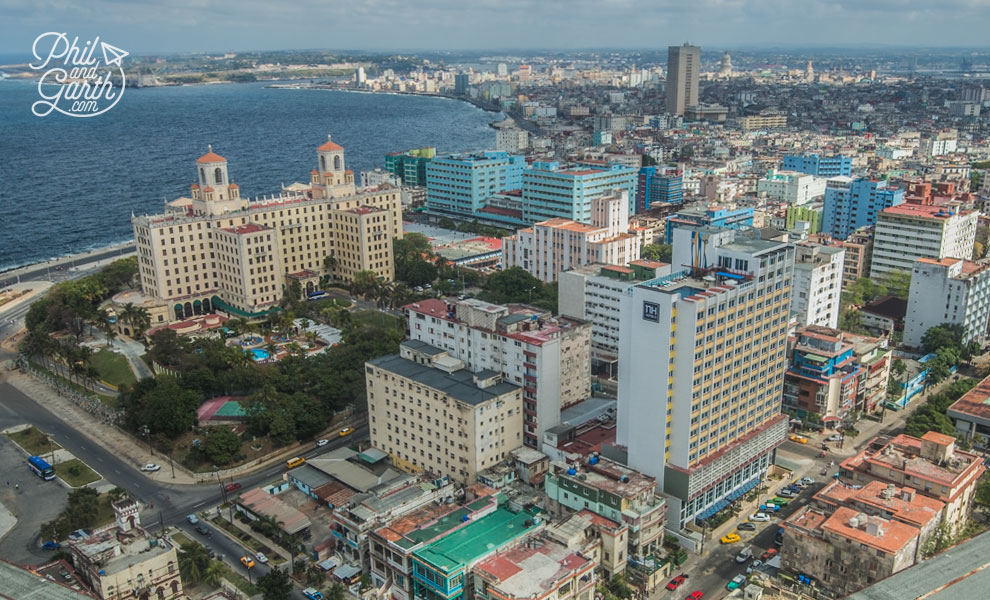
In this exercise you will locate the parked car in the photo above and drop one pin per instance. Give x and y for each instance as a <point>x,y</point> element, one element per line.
<point>261,557</point>
<point>780,501</point>
<point>51,545</point>
<point>730,538</point>
<point>760,517</point>
<point>346,431</point>
<point>695,595</point>
<point>835,437</point>
<point>150,468</point>
<point>756,564</point>
<point>322,443</point>
<point>769,507</point>
<point>798,438</point>
<point>785,493</point>
<point>746,527</point>
<point>806,480</point>
<point>209,550</point>
<point>312,594</point>
<point>736,582</point>
<point>203,530</point>
<point>193,519</point>
<point>230,487</point>
<point>768,554</point>
<point>744,555</point>
<point>676,582</point>
<point>462,297</point>
<point>247,561</point>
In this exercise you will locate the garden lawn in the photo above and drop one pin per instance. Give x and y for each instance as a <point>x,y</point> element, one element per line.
<point>75,473</point>
<point>113,367</point>
<point>33,441</point>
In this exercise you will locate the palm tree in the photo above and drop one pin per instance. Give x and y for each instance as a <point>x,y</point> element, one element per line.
<point>213,573</point>
<point>193,562</point>
<point>330,264</point>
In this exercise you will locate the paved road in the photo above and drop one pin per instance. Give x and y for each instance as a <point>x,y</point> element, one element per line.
<point>47,271</point>
<point>171,502</point>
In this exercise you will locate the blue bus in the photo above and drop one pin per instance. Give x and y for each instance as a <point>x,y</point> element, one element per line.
<point>41,468</point>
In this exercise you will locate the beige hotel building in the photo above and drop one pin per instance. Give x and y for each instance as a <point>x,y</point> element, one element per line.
<point>216,250</point>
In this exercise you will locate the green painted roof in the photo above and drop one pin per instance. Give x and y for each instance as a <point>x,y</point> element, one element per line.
<point>476,539</point>
<point>231,408</point>
<point>441,525</point>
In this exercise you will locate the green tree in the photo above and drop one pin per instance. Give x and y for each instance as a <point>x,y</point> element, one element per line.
<point>899,283</point>
<point>194,561</point>
<point>275,585</point>
<point>939,540</point>
<point>946,335</point>
<point>337,591</point>
<point>982,495</point>
<point>660,252</point>
<point>222,445</point>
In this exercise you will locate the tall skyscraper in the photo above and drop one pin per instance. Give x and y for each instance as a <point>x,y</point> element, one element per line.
<point>683,68</point>
<point>699,402</point>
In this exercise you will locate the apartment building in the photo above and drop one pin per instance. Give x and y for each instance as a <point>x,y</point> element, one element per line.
<point>430,413</point>
<point>548,248</point>
<point>218,251</point>
<point>615,492</point>
<point>817,284</point>
<point>792,187</point>
<point>823,377</point>
<point>859,255</point>
<point>122,561</point>
<point>971,414</point>
<point>593,293</point>
<point>761,122</point>
<point>908,232</point>
<point>547,356</point>
<point>948,290</point>
<point>458,184</point>
<point>854,203</point>
<point>846,551</point>
<point>712,215</point>
<point>657,185</point>
<point>709,431</point>
<point>511,139</point>
<point>932,465</point>
<point>553,191</point>
<point>410,166</point>
<point>816,164</point>
<point>535,568</point>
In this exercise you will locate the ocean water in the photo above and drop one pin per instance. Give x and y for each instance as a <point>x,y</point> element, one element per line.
<point>70,184</point>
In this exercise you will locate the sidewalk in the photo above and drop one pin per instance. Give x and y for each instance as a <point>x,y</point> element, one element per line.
<point>275,548</point>
<point>33,289</point>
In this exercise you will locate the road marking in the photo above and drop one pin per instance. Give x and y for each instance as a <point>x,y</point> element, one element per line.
<point>201,504</point>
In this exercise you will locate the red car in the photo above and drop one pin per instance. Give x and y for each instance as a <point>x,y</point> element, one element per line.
<point>695,595</point>
<point>768,554</point>
<point>230,487</point>
<point>676,582</point>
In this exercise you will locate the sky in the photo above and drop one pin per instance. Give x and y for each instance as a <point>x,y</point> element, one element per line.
<point>172,26</point>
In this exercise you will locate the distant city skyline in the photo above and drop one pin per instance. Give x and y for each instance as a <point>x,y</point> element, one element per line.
<point>437,25</point>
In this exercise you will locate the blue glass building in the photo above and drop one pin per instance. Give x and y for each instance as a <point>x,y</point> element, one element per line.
<point>658,184</point>
<point>854,203</point>
<point>457,185</point>
<point>814,164</point>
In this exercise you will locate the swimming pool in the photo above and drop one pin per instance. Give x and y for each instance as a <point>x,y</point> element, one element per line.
<point>258,354</point>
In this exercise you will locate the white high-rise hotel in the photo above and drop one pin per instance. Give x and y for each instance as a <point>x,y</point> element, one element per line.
<point>703,353</point>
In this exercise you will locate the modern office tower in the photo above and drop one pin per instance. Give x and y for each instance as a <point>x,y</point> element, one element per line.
<point>703,353</point>
<point>854,203</point>
<point>461,84</point>
<point>410,166</point>
<point>948,290</point>
<point>550,247</point>
<point>712,215</point>
<point>661,185</point>
<point>594,293</point>
<point>547,356</point>
<point>549,191</point>
<point>817,284</point>
<point>472,419</point>
<point>814,164</point>
<point>683,71</point>
<point>217,250</point>
<point>458,184</point>
<point>907,232</point>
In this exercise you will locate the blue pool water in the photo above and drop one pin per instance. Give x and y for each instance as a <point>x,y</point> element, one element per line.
<point>259,354</point>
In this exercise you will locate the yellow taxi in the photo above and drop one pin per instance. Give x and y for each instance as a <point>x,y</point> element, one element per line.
<point>798,438</point>
<point>247,561</point>
<point>346,431</point>
<point>730,538</point>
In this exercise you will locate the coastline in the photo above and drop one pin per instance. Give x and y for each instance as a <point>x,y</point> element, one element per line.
<point>7,276</point>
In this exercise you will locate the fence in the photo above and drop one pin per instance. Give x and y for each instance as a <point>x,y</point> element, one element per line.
<point>89,404</point>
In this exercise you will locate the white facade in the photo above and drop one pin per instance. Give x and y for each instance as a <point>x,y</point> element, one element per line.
<point>792,187</point>
<point>938,146</point>
<point>817,285</point>
<point>548,357</point>
<point>947,291</point>
<point>907,232</point>
<point>699,403</point>
<point>548,248</point>
<point>594,293</point>
<point>511,139</point>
